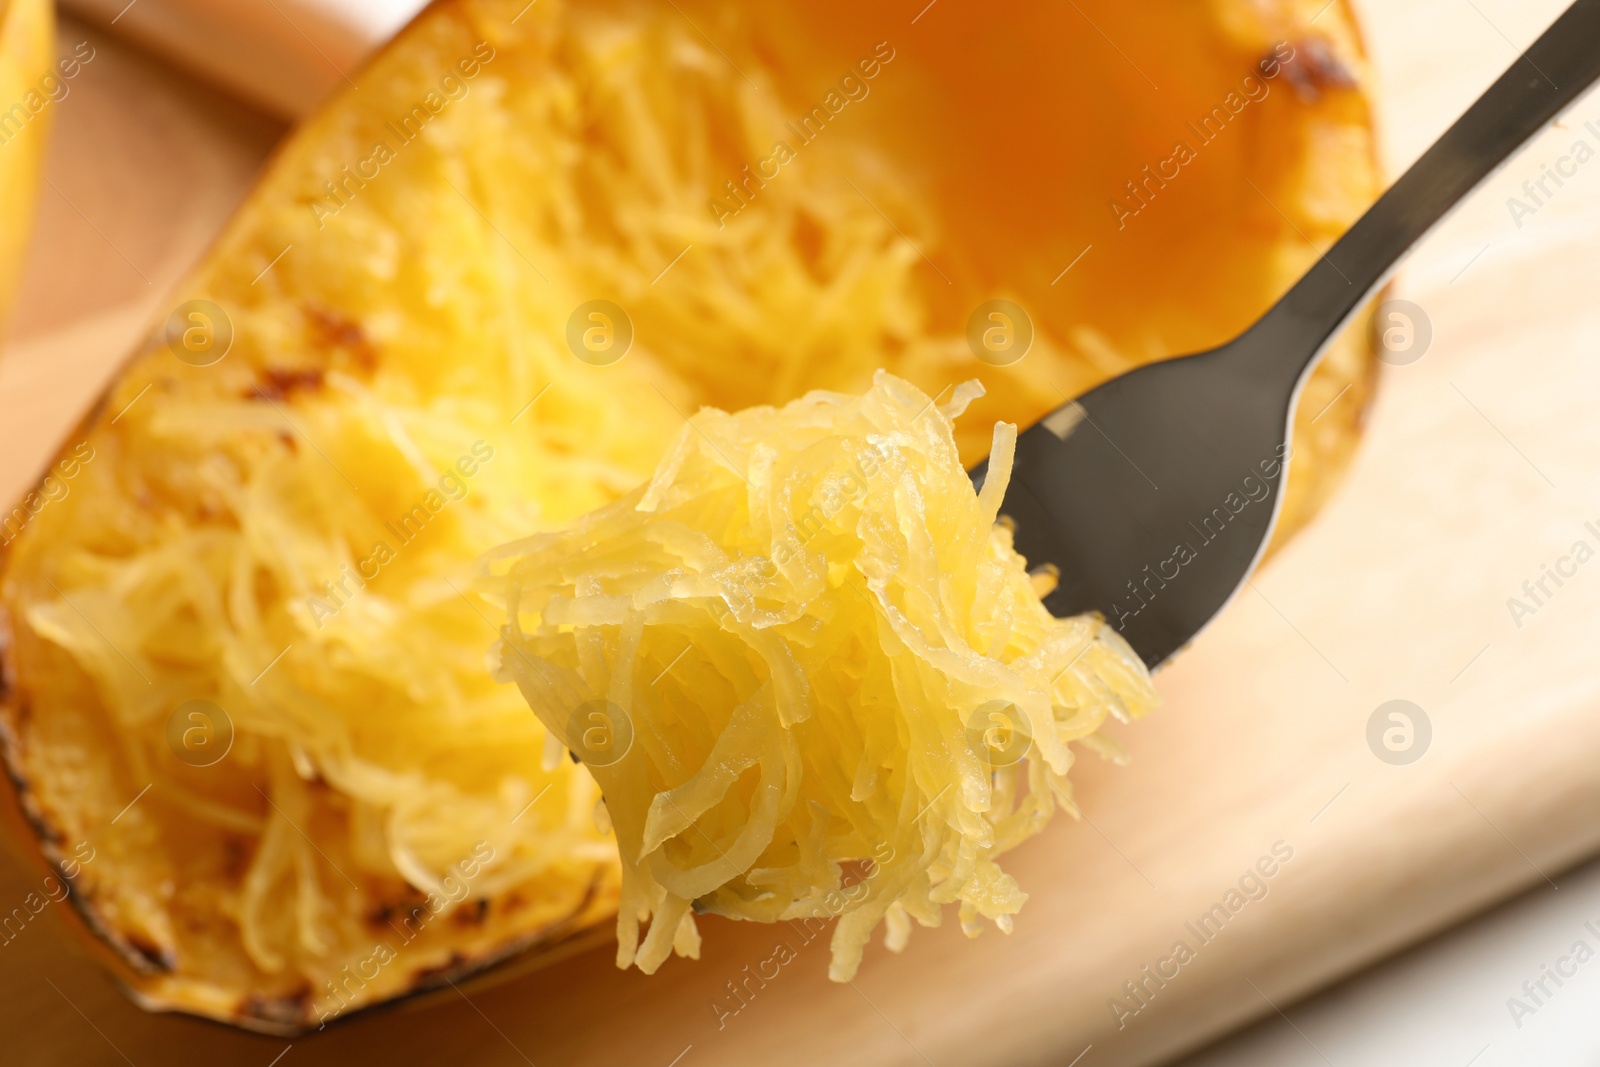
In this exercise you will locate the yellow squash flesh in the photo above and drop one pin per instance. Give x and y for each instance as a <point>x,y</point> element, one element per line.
<point>29,89</point>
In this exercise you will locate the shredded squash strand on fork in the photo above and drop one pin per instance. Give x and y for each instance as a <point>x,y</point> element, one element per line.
<point>804,659</point>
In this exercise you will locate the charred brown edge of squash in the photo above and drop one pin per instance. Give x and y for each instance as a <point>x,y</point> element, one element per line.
<point>24,816</point>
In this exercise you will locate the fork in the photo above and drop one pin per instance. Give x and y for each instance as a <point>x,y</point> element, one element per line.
<point>1154,494</point>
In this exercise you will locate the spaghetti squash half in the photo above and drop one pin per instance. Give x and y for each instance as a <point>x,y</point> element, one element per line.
<point>243,657</point>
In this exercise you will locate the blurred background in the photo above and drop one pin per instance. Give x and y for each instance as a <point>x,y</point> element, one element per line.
<point>1435,896</point>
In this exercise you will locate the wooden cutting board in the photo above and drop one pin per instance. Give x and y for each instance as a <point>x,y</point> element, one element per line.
<point>1256,824</point>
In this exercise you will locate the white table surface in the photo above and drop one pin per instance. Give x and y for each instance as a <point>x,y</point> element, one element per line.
<point>1445,1003</point>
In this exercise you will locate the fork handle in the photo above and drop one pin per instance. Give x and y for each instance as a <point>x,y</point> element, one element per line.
<point>1539,85</point>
